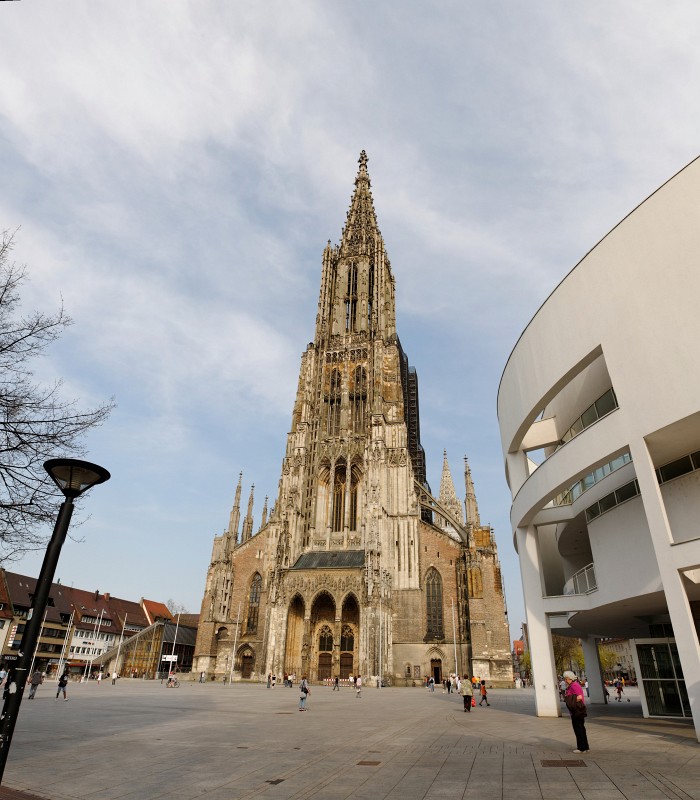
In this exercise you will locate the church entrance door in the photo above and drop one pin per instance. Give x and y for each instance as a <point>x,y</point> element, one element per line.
<point>247,664</point>
<point>325,662</point>
<point>346,669</point>
<point>436,669</point>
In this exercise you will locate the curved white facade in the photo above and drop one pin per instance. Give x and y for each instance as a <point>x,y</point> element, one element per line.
<point>609,545</point>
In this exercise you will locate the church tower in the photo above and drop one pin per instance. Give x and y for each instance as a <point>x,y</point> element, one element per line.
<point>357,568</point>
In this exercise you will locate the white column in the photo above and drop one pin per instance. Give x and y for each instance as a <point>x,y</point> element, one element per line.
<point>676,597</point>
<point>544,676</point>
<point>593,671</point>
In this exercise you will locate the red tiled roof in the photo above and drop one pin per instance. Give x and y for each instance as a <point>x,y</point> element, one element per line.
<point>156,611</point>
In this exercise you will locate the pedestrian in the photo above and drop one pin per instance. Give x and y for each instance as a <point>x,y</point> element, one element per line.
<point>619,689</point>
<point>336,684</point>
<point>304,692</point>
<point>114,678</point>
<point>467,694</point>
<point>269,679</point>
<point>201,676</point>
<point>62,683</point>
<point>585,686</point>
<point>35,681</point>
<point>562,688</point>
<point>274,681</point>
<point>99,678</point>
<point>358,686</point>
<point>484,696</point>
<point>577,708</point>
<point>3,675</point>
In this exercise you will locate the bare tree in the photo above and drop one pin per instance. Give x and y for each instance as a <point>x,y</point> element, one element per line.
<point>35,422</point>
<point>176,608</point>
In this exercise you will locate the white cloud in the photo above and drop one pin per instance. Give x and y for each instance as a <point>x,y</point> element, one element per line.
<point>177,168</point>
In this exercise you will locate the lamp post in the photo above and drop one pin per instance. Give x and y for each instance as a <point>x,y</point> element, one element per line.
<point>73,478</point>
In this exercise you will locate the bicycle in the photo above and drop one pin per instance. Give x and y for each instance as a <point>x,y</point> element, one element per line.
<point>173,683</point>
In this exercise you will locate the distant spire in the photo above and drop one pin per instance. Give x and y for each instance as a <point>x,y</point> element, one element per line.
<point>235,515</point>
<point>361,225</point>
<point>264,514</point>
<point>470,506</point>
<point>448,495</point>
<point>248,521</point>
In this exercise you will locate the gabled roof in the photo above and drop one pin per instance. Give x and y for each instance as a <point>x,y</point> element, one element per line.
<point>156,611</point>
<point>67,599</point>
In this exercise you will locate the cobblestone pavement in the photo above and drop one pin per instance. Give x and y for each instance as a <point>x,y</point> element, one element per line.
<point>141,741</point>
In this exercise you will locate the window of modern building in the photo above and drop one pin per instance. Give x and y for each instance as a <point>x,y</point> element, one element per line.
<point>602,406</point>
<point>588,481</point>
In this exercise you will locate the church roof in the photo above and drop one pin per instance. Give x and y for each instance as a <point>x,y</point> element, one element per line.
<point>331,559</point>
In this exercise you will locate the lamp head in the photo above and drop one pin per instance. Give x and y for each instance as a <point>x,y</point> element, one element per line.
<point>73,477</point>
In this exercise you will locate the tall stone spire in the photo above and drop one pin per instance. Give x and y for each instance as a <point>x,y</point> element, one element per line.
<point>448,495</point>
<point>235,515</point>
<point>248,521</point>
<point>264,513</point>
<point>470,506</point>
<point>361,224</point>
<point>357,288</point>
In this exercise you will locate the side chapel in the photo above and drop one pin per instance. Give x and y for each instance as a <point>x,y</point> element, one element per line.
<point>358,570</point>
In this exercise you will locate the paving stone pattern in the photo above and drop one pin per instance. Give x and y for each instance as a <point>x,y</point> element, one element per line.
<point>141,741</point>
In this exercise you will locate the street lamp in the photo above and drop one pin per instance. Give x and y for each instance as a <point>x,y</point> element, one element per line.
<point>73,478</point>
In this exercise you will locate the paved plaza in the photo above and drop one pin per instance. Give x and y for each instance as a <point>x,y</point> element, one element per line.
<point>141,741</point>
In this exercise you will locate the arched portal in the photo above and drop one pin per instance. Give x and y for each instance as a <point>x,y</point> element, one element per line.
<point>247,663</point>
<point>349,637</point>
<point>295,637</point>
<point>436,669</point>
<point>321,635</point>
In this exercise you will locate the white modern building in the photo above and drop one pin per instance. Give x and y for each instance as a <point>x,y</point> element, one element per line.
<point>599,411</point>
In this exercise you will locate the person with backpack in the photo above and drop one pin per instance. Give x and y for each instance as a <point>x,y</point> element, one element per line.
<point>62,683</point>
<point>304,692</point>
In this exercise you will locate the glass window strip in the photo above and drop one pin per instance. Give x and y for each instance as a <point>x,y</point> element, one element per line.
<point>588,481</point>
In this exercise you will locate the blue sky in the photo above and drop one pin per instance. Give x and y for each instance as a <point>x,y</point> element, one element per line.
<point>176,169</point>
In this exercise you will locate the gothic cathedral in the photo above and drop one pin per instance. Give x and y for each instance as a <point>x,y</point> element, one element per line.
<point>359,570</point>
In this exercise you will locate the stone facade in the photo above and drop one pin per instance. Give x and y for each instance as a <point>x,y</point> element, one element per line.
<point>359,569</point>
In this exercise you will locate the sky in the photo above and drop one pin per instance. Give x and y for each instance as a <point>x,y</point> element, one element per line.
<point>174,171</point>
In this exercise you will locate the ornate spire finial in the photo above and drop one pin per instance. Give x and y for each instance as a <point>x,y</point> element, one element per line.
<point>362,161</point>
<point>448,496</point>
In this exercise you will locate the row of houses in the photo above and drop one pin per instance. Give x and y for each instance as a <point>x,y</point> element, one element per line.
<point>90,632</point>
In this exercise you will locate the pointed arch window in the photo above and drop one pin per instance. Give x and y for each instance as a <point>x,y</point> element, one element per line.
<point>433,600</point>
<point>347,639</point>
<point>355,477</point>
<point>325,640</point>
<point>339,478</point>
<point>370,296</point>
<point>334,398</point>
<point>351,298</point>
<point>359,400</point>
<point>254,604</point>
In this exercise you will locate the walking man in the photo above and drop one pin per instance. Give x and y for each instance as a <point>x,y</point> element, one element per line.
<point>36,679</point>
<point>62,683</point>
<point>114,678</point>
<point>358,687</point>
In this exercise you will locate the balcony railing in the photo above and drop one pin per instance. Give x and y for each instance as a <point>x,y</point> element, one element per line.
<point>582,582</point>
